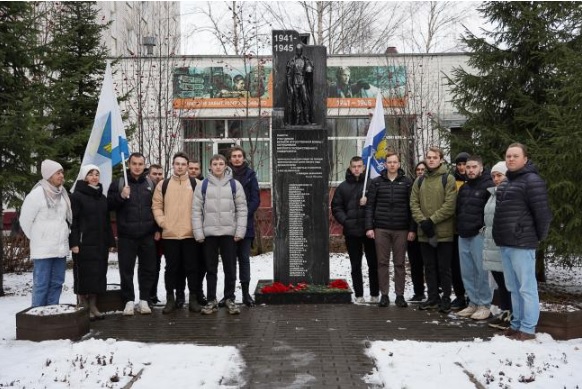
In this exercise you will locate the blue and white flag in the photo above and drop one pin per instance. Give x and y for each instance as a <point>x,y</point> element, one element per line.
<point>374,153</point>
<point>107,146</point>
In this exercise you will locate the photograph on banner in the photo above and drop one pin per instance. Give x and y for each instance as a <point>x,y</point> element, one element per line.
<point>222,87</point>
<point>357,86</point>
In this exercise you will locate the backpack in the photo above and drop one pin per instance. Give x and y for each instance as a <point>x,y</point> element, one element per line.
<point>167,181</point>
<point>121,183</point>
<point>444,179</point>
<point>205,188</point>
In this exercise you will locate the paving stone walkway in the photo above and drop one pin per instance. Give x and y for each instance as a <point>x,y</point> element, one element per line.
<point>296,346</point>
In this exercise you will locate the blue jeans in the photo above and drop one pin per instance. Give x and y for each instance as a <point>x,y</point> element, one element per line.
<point>475,278</point>
<point>520,279</point>
<point>48,276</point>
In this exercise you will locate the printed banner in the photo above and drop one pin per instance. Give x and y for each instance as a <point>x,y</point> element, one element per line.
<point>222,87</point>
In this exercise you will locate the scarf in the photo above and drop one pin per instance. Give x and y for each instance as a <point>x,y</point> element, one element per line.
<point>53,195</point>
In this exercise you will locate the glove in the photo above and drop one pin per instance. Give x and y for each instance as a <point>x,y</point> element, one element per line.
<point>428,227</point>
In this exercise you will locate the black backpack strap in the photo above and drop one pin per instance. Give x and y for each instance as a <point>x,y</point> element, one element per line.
<point>165,186</point>
<point>233,188</point>
<point>444,179</point>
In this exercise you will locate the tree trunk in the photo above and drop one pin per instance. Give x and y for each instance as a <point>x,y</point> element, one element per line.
<point>540,265</point>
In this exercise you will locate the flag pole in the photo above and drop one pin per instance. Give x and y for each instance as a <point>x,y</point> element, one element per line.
<point>366,178</point>
<point>124,168</point>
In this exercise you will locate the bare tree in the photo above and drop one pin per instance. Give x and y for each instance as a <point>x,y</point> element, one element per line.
<point>435,25</point>
<point>148,77</point>
<point>350,27</point>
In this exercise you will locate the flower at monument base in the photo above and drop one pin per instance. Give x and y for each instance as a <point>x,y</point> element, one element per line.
<point>278,287</point>
<point>338,284</point>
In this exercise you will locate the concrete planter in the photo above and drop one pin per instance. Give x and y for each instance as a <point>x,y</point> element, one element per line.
<point>111,300</point>
<point>329,296</point>
<point>561,325</point>
<point>67,325</point>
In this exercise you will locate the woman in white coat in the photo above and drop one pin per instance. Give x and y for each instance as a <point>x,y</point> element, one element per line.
<point>45,218</point>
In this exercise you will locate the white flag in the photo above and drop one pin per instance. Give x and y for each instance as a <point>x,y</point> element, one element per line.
<point>107,146</point>
<point>375,145</point>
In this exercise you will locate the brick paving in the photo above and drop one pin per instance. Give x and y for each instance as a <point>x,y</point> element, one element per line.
<point>296,346</point>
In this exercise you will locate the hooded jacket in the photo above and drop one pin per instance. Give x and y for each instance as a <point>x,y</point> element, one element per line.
<point>345,205</point>
<point>218,214</point>
<point>522,212</point>
<point>471,201</point>
<point>431,200</point>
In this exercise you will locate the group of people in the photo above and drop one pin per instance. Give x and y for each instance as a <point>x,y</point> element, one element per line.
<point>457,229</point>
<point>186,217</point>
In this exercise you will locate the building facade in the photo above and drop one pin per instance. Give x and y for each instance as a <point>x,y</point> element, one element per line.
<point>205,104</point>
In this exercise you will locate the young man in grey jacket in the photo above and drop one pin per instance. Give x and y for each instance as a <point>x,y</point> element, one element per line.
<point>219,219</point>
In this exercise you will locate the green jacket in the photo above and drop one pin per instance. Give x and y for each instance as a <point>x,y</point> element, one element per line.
<point>431,200</point>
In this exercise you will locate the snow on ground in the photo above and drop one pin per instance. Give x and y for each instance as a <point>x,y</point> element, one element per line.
<point>499,363</point>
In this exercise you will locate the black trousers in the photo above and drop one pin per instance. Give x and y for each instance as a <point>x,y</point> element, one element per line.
<point>143,249</point>
<point>356,246</point>
<point>416,267</point>
<point>458,286</point>
<point>181,252</point>
<point>226,246</point>
<point>504,294</point>
<point>181,275</point>
<point>437,266</point>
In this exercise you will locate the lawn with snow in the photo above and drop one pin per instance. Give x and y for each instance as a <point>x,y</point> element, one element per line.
<point>499,363</point>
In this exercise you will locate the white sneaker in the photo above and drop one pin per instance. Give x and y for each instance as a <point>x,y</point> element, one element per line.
<point>360,300</point>
<point>481,313</point>
<point>374,299</point>
<point>128,310</point>
<point>143,307</point>
<point>467,312</point>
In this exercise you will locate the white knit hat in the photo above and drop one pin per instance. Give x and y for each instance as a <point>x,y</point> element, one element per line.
<point>48,168</point>
<point>86,169</point>
<point>500,167</point>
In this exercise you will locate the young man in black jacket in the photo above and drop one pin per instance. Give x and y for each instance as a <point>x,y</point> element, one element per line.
<point>389,222</point>
<point>471,200</point>
<point>348,208</point>
<point>135,233</point>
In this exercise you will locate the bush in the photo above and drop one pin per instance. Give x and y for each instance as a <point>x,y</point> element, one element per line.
<point>16,254</point>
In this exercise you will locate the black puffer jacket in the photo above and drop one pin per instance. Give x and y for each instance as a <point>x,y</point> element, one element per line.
<point>388,205</point>
<point>471,201</point>
<point>91,232</point>
<point>134,215</point>
<point>522,213</point>
<point>345,205</point>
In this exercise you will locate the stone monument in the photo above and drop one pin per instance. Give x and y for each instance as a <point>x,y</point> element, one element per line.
<point>300,161</point>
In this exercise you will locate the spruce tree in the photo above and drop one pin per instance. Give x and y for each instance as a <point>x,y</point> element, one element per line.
<point>18,82</point>
<point>521,88</point>
<point>75,63</point>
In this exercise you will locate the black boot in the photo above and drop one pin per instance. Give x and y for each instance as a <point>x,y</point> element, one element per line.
<point>246,297</point>
<point>170,303</point>
<point>180,299</point>
<point>193,305</point>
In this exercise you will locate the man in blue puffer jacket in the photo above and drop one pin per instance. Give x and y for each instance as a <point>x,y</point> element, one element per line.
<point>522,219</point>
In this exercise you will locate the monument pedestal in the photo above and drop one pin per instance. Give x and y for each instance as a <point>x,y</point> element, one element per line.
<point>301,201</point>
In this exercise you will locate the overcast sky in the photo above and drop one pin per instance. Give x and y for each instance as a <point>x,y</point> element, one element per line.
<point>198,39</point>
